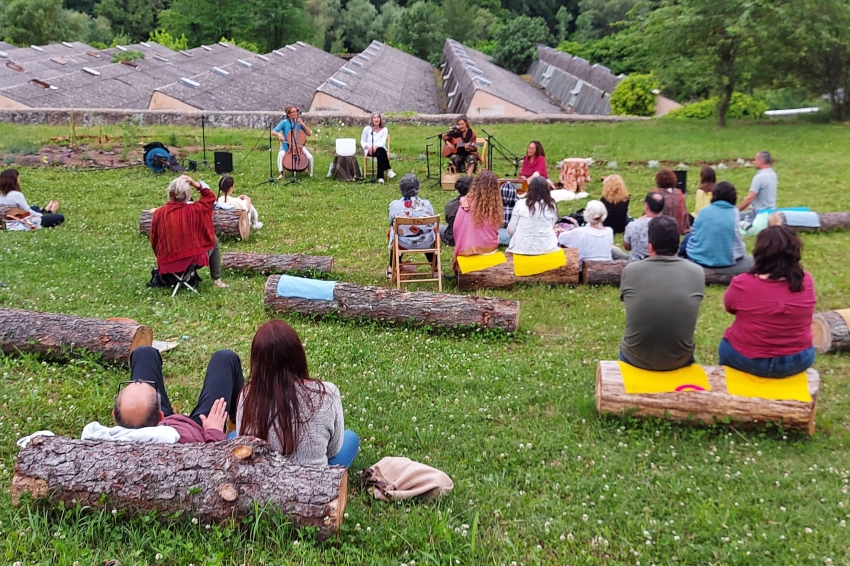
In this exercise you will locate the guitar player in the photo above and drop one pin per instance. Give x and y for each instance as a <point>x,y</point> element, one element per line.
<point>459,147</point>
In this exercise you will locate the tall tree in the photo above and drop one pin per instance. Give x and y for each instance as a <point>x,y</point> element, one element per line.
<point>359,25</point>
<point>420,30</point>
<point>460,20</point>
<point>516,42</point>
<point>133,18</point>
<point>206,21</point>
<point>323,17</point>
<point>35,22</point>
<point>596,17</point>
<point>274,23</point>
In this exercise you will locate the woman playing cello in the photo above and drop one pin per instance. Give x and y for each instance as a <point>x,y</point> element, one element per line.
<point>291,126</point>
<point>459,147</point>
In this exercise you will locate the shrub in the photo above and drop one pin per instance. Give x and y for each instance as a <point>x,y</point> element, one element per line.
<point>634,96</point>
<point>741,106</point>
<point>127,56</point>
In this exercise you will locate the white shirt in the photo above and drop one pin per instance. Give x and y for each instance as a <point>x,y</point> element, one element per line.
<point>371,138</point>
<point>532,234</point>
<point>592,244</point>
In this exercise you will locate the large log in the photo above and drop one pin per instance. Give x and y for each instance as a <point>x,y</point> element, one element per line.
<point>57,335</point>
<point>390,305</point>
<point>828,221</point>
<point>271,263</point>
<point>704,406</point>
<point>502,276</point>
<point>213,482</point>
<point>831,331</point>
<point>233,223</point>
<point>610,272</point>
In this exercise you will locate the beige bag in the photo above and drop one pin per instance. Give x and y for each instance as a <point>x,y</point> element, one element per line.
<point>401,478</point>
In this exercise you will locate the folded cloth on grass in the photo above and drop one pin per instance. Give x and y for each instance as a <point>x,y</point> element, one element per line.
<point>639,381</point>
<point>301,288</point>
<point>394,478</point>
<point>157,434</point>
<point>801,219</point>
<point>794,388</point>
<point>525,265</point>
<point>478,262</point>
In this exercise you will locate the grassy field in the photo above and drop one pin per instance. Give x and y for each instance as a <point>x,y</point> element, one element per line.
<point>539,477</point>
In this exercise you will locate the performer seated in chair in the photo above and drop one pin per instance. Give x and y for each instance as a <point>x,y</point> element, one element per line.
<point>374,140</point>
<point>534,164</point>
<point>182,232</point>
<point>284,128</point>
<point>460,148</point>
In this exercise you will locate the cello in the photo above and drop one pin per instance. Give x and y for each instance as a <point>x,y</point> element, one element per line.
<point>294,160</point>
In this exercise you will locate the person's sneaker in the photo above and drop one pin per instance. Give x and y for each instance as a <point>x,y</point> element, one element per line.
<point>391,174</point>
<point>381,181</point>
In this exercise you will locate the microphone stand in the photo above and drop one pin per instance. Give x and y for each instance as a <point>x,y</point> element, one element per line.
<point>372,150</point>
<point>493,143</point>
<point>271,180</point>
<point>204,163</point>
<point>439,181</point>
<point>428,160</point>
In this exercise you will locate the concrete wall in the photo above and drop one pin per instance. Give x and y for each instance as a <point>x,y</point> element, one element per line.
<point>323,102</point>
<point>9,103</point>
<point>485,104</point>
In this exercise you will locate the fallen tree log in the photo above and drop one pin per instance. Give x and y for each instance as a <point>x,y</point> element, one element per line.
<point>213,482</point>
<point>233,223</point>
<point>271,263</point>
<point>828,221</point>
<point>502,276</point>
<point>610,272</point>
<point>831,331</point>
<point>57,335</point>
<point>419,308</point>
<point>704,406</point>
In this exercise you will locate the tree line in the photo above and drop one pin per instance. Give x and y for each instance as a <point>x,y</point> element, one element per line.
<point>788,52</point>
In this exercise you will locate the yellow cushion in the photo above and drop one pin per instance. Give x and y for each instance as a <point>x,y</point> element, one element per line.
<point>525,265</point>
<point>470,263</point>
<point>638,381</point>
<point>794,388</point>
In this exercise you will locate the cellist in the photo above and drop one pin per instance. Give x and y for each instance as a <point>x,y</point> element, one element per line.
<point>284,128</point>
<point>463,154</point>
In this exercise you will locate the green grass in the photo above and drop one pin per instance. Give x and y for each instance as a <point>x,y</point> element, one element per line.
<point>539,477</point>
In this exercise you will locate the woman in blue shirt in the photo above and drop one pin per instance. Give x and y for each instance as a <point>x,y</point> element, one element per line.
<point>283,129</point>
<point>715,240</point>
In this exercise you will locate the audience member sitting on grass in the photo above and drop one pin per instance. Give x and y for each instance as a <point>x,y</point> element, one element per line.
<point>674,200</point>
<point>615,197</point>
<point>10,194</point>
<point>773,306</point>
<point>707,180</point>
<point>411,206</point>
<point>462,185</point>
<point>636,239</point>
<point>763,188</point>
<point>182,232</point>
<point>476,227</point>
<point>242,202</point>
<point>714,239</point>
<point>143,412</point>
<point>298,415</point>
<point>533,220</point>
<point>593,241</point>
<point>662,296</point>
<point>534,164</point>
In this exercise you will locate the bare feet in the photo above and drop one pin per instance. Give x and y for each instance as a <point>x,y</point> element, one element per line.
<point>220,284</point>
<point>52,206</point>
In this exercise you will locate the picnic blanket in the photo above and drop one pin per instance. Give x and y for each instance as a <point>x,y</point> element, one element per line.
<point>301,288</point>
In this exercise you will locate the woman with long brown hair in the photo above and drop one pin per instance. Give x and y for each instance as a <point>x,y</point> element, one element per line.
<point>674,199</point>
<point>481,214</point>
<point>10,194</point>
<point>707,180</point>
<point>298,415</point>
<point>773,306</point>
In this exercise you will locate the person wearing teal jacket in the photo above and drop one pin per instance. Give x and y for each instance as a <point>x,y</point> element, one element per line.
<point>714,240</point>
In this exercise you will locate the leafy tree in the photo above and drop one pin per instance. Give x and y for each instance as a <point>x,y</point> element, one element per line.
<point>272,24</point>
<point>635,96</point>
<point>485,21</point>
<point>323,18</point>
<point>460,20</point>
<point>166,40</point>
<point>564,18</point>
<point>420,30</point>
<point>34,22</point>
<point>359,24</point>
<point>516,42</point>
<point>596,16</point>
<point>134,18</point>
<point>252,47</point>
<point>127,56</point>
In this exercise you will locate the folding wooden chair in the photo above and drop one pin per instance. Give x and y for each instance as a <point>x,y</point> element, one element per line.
<point>436,269</point>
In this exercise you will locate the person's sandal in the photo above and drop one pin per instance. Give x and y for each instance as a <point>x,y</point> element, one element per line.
<point>220,284</point>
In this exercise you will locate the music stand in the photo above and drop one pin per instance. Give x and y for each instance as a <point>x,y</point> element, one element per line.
<point>439,181</point>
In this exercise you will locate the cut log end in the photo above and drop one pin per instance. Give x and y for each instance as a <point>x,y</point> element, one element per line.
<point>821,334</point>
<point>143,337</point>
<point>228,492</point>
<point>243,452</point>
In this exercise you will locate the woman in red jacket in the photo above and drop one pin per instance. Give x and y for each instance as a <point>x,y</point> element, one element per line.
<point>534,164</point>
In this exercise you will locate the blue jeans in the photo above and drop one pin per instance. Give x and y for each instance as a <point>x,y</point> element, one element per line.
<point>349,450</point>
<point>777,367</point>
<point>504,237</point>
<point>683,249</point>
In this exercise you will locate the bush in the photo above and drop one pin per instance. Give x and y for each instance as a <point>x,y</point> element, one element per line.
<point>741,106</point>
<point>127,56</point>
<point>634,96</point>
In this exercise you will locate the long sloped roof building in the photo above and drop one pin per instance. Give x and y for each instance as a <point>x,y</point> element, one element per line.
<point>579,86</point>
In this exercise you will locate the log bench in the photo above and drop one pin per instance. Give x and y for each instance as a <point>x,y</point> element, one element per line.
<point>418,308</point>
<point>610,272</point>
<point>267,264</point>
<point>213,482</point>
<point>704,406</point>
<point>57,335</point>
<point>233,223</point>
<point>831,331</point>
<point>502,276</point>
<point>829,221</point>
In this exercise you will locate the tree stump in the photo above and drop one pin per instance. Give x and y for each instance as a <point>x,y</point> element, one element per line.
<point>829,221</point>
<point>58,335</point>
<point>213,482</point>
<point>704,406</point>
<point>831,331</point>
<point>270,263</point>
<point>502,276</point>
<point>419,308</point>
<point>233,223</point>
<point>610,273</point>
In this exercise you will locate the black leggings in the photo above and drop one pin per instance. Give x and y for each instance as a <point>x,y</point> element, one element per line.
<point>383,161</point>
<point>49,220</point>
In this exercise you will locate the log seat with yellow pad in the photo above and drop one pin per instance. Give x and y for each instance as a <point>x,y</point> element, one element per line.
<point>708,394</point>
<point>504,275</point>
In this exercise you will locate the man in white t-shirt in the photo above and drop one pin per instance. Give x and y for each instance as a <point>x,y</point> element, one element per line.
<point>762,194</point>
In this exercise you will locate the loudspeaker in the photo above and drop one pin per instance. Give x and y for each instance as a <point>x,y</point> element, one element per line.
<point>223,162</point>
<point>681,180</point>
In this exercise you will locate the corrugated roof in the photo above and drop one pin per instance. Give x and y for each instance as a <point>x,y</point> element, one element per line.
<point>578,85</point>
<point>386,79</point>
<point>149,48</point>
<point>25,64</point>
<point>466,70</point>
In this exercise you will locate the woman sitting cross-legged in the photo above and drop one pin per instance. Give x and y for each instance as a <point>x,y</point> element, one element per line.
<point>707,180</point>
<point>298,415</point>
<point>533,219</point>
<point>714,239</point>
<point>479,217</point>
<point>773,306</point>
<point>411,206</point>
<point>10,194</point>
<point>242,202</point>
<point>534,164</point>
<point>615,197</point>
<point>594,241</point>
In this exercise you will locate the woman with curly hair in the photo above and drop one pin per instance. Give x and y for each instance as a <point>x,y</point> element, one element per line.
<point>479,217</point>
<point>674,200</point>
<point>615,197</point>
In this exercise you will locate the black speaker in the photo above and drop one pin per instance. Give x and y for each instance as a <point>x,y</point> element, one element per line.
<point>681,180</point>
<point>223,162</point>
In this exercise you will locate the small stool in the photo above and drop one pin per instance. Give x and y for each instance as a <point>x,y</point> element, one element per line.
<point>345,168</point>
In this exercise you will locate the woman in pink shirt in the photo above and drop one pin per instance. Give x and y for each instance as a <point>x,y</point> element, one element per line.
<point>773,306</point>
<point>534,163</point>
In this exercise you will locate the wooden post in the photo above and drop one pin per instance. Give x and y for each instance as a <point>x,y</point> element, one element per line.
<point>829,221</point>
<point>502,276</point>
<point>233,223</point>
<point>212,482</point>
<point>270,263</point>
<point>610,272</point>
<point>57,335</point>
<point>404,307</point>
<point>831,331</point>
<point>704,406</point>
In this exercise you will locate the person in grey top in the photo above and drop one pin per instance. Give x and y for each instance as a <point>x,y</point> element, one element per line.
<point>762,194</point>
<point>298,415</point>
<point>662,296</point>
<point>635,240</point>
